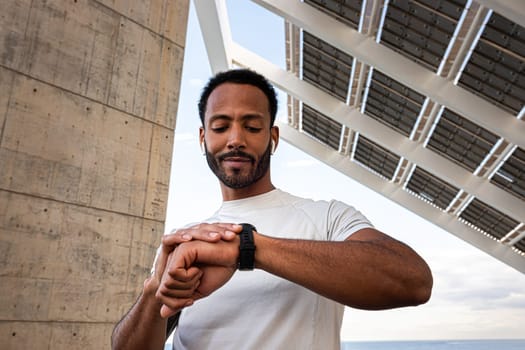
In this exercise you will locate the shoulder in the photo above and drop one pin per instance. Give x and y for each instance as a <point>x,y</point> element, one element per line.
<point>286,198</point>
<point>333,206</point>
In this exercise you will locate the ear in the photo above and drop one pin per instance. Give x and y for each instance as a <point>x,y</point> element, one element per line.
<point>274,134</point>
<point>201,140</point>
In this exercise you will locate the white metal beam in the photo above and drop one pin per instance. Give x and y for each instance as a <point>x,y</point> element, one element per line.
<point>382,134</point>
<point>400,68</point>
<point>215,28</point>
<point>395,193</point>
<point>512,9</point>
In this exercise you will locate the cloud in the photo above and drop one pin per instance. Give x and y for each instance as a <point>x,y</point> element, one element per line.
<point>302,163</point>
<point>496,287</point>
<point>196,82</point>
<point>185,136</point>
<point>514,300</point>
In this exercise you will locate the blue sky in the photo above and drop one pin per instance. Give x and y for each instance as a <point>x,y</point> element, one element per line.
<point>475,296</point>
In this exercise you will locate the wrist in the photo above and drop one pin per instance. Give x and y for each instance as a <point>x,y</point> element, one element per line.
<point>149,292</point>
<point>151,284</point>
<point>262,243</point>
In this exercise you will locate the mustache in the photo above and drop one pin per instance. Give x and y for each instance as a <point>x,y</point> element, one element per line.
<point>236,153</point>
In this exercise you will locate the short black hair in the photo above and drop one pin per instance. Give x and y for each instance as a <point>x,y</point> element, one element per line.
<point>239,76</point>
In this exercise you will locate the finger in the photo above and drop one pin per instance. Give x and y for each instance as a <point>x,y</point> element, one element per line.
<point>171,309</point>
<point>185,291</point>
<point>176,298</point>
<point>174,238</point>
<point>177,280</point>
<point>230,230</point>
<point>170,285</point>
<point>184,275</point>
<point>204,232</point>
<point>171,282</point>
<point>212,230</point>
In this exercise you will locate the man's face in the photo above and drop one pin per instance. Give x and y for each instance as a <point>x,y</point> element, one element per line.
<point>237,134</point>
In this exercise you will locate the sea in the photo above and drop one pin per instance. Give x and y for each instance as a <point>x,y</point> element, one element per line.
<point>505,344</point>
<point>477,344</point>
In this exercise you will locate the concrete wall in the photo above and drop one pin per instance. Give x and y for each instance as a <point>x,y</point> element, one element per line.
<point>88,99</point>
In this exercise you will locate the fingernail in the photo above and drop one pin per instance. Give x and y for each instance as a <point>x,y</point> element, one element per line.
<point>229,234</point>
<point>186,236</point>
<point>237,226</point>
<point>189,303</point>
<point>213,234</point>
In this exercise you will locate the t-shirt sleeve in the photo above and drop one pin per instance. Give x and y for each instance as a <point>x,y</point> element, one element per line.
<point>343,220</point>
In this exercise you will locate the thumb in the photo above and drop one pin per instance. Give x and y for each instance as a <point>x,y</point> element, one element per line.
<point>166,311</point>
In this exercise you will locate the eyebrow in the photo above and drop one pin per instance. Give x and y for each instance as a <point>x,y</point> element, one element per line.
<point>249,116</point>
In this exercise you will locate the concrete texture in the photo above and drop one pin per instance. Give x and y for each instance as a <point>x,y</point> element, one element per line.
<point>88,99</point>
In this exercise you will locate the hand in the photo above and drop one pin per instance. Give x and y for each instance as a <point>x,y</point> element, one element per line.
<point>178,288</point>
<point>179,284</point>
<point>203,232</point>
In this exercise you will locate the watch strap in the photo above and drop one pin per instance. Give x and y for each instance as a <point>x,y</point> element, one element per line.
<point>247,248</point>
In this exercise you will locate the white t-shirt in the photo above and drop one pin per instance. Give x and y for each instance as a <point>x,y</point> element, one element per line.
<point>257,310</point>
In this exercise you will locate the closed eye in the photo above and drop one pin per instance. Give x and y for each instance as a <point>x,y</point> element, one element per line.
<point>253,129</point>
<point>219,129</point>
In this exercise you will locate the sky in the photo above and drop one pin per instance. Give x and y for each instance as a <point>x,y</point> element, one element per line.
<point>475,296</point>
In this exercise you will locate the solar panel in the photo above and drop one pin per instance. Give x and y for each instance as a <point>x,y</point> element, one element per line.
<point>325,66</point>
<point>376,158</point>
<point>431,188</point>
<point>421,30</point>
<point>520,246</point>
<point>488,219</point>
<point>496,69</point>
<point>510,176</point>
<point>480,49</point>
<point>393,103</point>
<point>449,8</point>
<point>321,127</point>
<point>461,140</point>
<point>347,11</point>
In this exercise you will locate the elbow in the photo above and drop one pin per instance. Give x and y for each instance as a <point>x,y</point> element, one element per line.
<point>421,287</point>
<point>422,295</point>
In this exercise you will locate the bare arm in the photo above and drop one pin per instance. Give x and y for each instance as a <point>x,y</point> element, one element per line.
<point>144,326</point>
<point>369,270</point>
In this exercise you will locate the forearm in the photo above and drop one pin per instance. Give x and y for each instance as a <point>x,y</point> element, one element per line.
<point>374,273</point>
<point>142,327</point>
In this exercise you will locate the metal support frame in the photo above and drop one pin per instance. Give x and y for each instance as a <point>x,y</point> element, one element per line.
<point>400,68</point>
<point>215,27</point>
<point>447,221</point>
<point>382,134</point>
<point>224,53</point>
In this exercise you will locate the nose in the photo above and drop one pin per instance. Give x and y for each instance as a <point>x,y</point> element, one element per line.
<point>236,137</point>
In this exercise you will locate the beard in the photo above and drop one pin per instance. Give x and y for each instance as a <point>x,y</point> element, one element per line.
<point>238,180</point>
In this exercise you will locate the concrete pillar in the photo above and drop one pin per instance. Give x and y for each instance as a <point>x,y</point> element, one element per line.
<point>88,100</point>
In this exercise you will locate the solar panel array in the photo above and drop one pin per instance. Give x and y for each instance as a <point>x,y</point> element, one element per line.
<point>427,32</point>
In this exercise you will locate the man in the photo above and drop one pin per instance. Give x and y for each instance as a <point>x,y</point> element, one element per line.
<point>310,257</point>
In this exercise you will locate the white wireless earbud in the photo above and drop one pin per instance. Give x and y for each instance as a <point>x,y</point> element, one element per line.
<point>273,147</point>
<point>203,149</point>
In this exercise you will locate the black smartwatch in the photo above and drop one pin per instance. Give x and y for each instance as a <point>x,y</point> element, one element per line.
<point>247,248</point>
